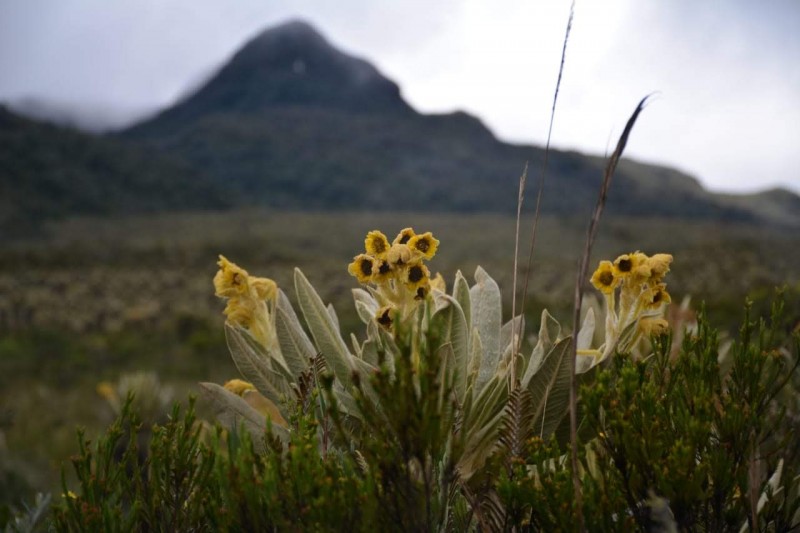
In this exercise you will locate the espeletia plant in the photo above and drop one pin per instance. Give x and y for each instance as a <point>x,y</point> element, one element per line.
<point>435,371</point>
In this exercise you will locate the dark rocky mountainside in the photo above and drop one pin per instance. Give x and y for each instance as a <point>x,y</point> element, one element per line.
<point>49,172</point>
<point>291,122</point>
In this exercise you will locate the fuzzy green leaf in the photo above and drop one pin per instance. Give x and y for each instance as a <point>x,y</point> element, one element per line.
<point>452,327</point>
<point>295,345</point>
<point>549,389</point>
<point>486,315</point>
<point>323,328</point>
<point>256,365</point>
<point>461,294</point>
<point>586,334</point>
<point>366,306</point>
<point>549,331</point>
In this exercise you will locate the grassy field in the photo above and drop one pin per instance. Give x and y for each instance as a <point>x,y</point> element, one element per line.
<point>95,299</point>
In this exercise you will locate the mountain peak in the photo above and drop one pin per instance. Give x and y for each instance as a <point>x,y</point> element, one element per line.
<point>286,66</point>
<point>296,29</point>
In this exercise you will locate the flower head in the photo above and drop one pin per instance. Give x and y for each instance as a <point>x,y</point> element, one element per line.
<point>382,271</point>
<point>376,244</point>
<point>604,279</point>
<point>659,265</point>
<point>384,317</point>
<point>399,254</point>
<point>656,296</point>
<point>362,267</point>
<point>422,291</point>
<point>230,280</point>
<point>404,236</point>
<point>416,275</point>
<point>628,264</point>
<point>265,288</point>
<point>239,386</point>
<point>424,244</point>
<point>241,311</point>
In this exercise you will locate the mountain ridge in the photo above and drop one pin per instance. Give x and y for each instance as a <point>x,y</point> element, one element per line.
<point>337,133</point>
<point>291,122</point>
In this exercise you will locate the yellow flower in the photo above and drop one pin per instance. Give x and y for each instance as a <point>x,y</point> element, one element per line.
<point>423,291</point>
<point>657,296</point>
<point>362,267</point>
<point>404,236</point>
<point>424,244</point>
<point>384,317</point>
<point>265,288</point>
<point>416,275</point>
<point>376,244</point>
<point>626,264</point>
<point>399,254</point>
<point>239,386</point>
<point>106,390</point>
<point>230,280</point>
<point>240,311</point>
<point>653,326</point>
<point>659,265</point>
<point>604,279</point>
<point>382,271</point>
<point>438,282</point>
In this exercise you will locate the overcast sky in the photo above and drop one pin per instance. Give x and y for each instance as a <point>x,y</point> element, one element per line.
<point>727,73</point>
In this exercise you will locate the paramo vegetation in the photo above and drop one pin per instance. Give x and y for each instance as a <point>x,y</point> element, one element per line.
<point>438,415</point>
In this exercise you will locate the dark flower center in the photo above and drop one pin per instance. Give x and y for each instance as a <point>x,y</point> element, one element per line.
<point>606,278</point>
<point>385,268</point>
<point>423,245</point>
<point>415,274</point>
<point>625,265</point>
<point>657,297</point>
<point>405,238</point>
<point>366,267</point>
<point>385,319</point>
<point>378,245</point>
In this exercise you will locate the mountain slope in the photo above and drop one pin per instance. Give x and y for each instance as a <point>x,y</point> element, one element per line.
<point>48,172</point>
<point>291,122</point>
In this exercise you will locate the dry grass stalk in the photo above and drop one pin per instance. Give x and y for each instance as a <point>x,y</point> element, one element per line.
<point>591,233</point>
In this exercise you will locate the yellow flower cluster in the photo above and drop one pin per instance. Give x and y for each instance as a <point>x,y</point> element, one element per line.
<point>248,300</point>
<point>397,269</point>
<point>643,296</point>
